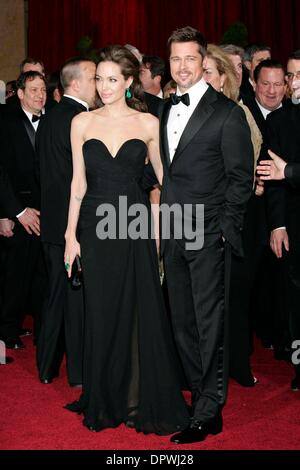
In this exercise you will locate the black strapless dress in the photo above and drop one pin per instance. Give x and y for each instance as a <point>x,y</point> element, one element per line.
<point>130,368</point>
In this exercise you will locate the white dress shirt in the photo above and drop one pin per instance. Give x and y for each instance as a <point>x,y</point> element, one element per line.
<point>264,111</point>
<point>180,114</point>
<point>29,115</point>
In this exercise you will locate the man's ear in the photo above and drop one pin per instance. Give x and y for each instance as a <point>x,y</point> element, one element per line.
<point>247,64</point>
<point>74,85</point>
<point>20,94</point>
<point>157,79</point>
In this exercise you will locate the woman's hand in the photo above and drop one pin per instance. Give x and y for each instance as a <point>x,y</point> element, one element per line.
<point>72,249</point>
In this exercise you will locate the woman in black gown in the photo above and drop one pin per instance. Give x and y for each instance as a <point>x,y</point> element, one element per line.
<point>130,373</point>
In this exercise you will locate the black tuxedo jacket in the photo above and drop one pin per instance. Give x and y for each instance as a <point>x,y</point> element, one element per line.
<point>19,161</point>
<point>154,104</point>
<point>5,188</point>
<point>54,152</point>
<point>283,137</point>
<point>213,165</point>
<point>292,173</point>
<point>246,90</point>
<point>256,113</point>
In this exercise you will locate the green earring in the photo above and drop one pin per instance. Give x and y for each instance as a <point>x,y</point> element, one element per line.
<point>128,93</point>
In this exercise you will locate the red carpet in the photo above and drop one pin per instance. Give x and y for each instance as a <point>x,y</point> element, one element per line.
<point>32,415</point>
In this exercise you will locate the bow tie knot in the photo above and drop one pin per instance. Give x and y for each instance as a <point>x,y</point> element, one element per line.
<point>35,118</point>
<point>185,99</point>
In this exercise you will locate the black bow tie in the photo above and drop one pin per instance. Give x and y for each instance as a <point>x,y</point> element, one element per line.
<point>185,99</point>
<point>35,118</point>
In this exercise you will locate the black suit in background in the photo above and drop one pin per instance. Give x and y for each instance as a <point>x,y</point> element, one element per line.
<point>244,274</point>
<point>213,165</point>
<point>62,319</point>
<point>283,202</point>
<point>22,266</point>
<point>264,271</point>
<point>246,89</point>
<point>292,173</point>
<point>154,104</point>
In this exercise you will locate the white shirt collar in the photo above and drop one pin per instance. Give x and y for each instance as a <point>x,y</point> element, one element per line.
<point>196,91</point>
<point>78,101</point>
<point>265,112</point>
<point>160,94</point>
<point>29,115</point>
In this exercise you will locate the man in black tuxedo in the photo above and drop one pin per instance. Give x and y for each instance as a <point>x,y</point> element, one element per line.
<point>283,203</point>
<point>62,320</point>
<point>208,160</point>
<point>268,312</point>
<point>22,263</point>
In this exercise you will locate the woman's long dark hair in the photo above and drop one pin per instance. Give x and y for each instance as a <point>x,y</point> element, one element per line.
<point>130,67</point>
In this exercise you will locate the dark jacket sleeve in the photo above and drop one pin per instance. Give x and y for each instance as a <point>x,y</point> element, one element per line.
<point>292,173</point>
<point>275,190</point>
<point>238,157</point>
<point>10,205</point>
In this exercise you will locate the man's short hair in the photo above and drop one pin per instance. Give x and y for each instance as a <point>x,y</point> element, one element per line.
<point>30,60</point>
<point>294,55</point>
<point>232,49</point>
<point>252,49</point>
<point>28,76</point>
<point>71,70</point>
<point>267,64</point>
<point>155,64</point>
<point>188,34</point>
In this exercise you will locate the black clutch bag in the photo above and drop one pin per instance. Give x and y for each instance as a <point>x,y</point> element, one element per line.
<point>76,274</point>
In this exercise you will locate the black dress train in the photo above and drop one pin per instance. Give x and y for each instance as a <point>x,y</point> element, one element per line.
<point>130,368</point>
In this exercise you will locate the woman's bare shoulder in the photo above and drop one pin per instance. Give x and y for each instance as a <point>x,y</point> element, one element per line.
<point>149,120</point>
<point>81,120</point>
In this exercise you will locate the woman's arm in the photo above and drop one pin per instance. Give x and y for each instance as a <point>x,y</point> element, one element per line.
<point>78,189</point>
<point>153,146</point>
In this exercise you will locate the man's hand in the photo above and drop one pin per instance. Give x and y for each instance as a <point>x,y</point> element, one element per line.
<point>6,227</point>
<point>259,186</point>
<point>271,169</point>
<point>30,220</point>
<point>279,237</point>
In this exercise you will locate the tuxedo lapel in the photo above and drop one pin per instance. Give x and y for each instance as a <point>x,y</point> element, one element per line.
<point>164,132</point>
<point>29,128</point>
<point>202,112</point>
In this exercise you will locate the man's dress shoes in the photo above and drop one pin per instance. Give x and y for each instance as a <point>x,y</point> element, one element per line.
<point>198,431</point>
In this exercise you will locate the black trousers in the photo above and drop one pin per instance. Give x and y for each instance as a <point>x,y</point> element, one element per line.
<point>292,272</point>
<point>62,321</point>
<point>197,283</point>
<point>22,280</point>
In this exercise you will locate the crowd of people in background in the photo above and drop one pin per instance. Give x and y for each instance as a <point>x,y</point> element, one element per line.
<point>218,125</point>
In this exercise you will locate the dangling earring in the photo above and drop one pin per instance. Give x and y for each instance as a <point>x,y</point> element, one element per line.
<point>221,89</point>
<point>128,93</point>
